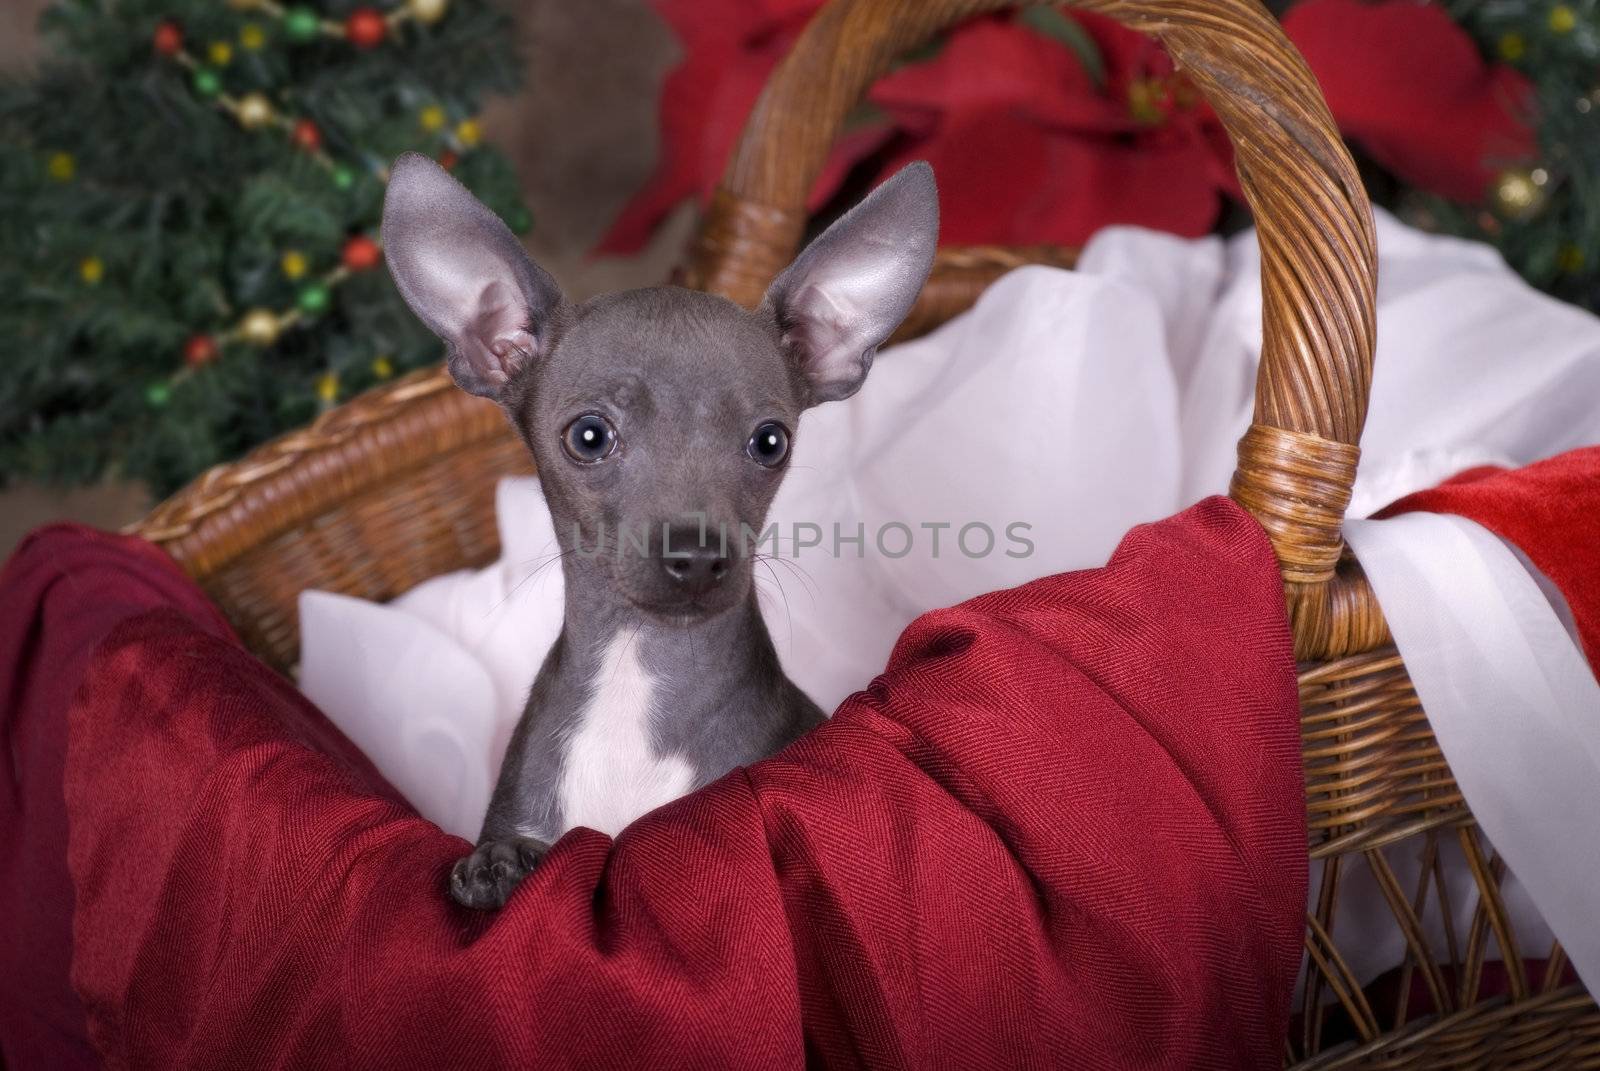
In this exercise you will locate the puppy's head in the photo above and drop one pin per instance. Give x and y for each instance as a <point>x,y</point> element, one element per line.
<point>661,420</point>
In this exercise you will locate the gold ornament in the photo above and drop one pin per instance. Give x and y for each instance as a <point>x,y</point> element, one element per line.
<point>382,367</point>
<point>328,387</point>
<point>91,270</point>
<point>254,111</point>
<point>1520,194</point>
<point>62,167</point>
<point>252,36</point>
<point>1511,46</point>
<point>1570,258</point>
<point>1562,19</point>
<point>427,11</point>
<point>469,132</point>
<point>259,327</point>
<point>220,53</point>
<point>293,264</point>
<point>432,118</point>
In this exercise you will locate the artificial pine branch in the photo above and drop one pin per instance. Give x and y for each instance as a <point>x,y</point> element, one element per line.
<point>139,214</point>
<point>1554,239</point>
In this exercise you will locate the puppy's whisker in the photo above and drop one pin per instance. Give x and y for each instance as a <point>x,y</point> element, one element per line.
<point>550,559</point>
<point>788,616</point>
<point>807,581</point>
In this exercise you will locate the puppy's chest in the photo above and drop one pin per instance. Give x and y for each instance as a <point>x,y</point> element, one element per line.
<point>611,772</point>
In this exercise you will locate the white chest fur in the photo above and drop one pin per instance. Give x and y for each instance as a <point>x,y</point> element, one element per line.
<point>611,774</point>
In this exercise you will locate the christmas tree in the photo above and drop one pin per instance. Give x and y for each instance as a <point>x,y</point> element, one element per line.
<point>192,191</point>
<point>1545,213</point>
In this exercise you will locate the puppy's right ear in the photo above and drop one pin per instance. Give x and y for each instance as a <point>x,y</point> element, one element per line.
<point>465,275</point>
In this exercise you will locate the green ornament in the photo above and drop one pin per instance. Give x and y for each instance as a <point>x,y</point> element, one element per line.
<point>343,178</point>
<point>314,298</point>
<point>519,220</point>
<point>157,394</point>
<point>301,24</point>
<point>206,83</point>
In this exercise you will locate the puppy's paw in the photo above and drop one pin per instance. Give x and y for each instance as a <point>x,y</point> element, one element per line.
<point>486,878</point>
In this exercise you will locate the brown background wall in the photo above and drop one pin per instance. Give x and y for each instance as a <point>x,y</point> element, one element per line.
<point>582,136</point>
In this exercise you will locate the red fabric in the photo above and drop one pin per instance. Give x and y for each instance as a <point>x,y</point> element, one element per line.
<point>1550,509</point>
<point>1065,827</point>
<point>64,589</point>
<point>61,591</point>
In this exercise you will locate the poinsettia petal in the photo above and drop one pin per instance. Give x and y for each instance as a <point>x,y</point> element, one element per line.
<point>696,22</point>
<point>730,48</point>
<point>1027,146</point>
<point>1409,85</point>
<point>853,147</point>
<point>991,64</point>
<point>1219,157</point>
<point>1002,179</point>
<point>1126,54</point>
<point>1167,186</point>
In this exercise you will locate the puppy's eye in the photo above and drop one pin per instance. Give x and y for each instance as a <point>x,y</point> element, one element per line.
<point>590,438</point>
<point>769,445</point>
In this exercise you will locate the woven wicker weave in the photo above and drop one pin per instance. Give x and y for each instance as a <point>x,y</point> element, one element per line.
<point>397,485</point>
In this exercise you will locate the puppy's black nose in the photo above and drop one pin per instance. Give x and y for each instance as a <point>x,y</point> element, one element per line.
<point>695,567</point>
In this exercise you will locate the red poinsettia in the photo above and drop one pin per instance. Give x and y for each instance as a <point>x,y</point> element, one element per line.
<point>1036,141</point>
<point>729,49</point>
<point>1410,87</point>
<point>1029,145</point>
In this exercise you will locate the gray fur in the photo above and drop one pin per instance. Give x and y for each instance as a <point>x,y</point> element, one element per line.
<point>685,378</point>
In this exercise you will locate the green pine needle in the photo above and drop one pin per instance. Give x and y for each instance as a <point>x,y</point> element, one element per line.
<point>187,216</point>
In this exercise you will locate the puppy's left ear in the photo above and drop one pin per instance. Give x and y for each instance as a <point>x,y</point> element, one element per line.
<point>465,275</point>
<point>847,291</point>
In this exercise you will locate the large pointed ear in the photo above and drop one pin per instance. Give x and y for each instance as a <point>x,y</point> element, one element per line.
<point>465,275</point>
<point>849,289</point>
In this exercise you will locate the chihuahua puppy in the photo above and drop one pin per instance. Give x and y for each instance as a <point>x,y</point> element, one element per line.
<point>661,421</point>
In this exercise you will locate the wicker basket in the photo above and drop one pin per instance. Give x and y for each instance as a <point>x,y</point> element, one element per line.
<point>397,486</point>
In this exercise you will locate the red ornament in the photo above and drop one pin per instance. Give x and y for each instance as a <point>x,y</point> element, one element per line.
<point>448,160</point>
<point>360,253</point>
<point>306,135</point>
<point>168,39</point>
<point>199,350</point>
<point>365,28</point>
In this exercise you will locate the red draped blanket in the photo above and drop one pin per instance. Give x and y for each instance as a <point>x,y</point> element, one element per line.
<point>1550,509</point>
<point>1064,828</point>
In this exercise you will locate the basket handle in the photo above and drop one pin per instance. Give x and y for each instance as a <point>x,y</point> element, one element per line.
<point>1297,462</point>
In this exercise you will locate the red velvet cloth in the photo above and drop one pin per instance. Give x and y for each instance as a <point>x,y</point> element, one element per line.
<point>1064,828</point>
<point>1550,510</point>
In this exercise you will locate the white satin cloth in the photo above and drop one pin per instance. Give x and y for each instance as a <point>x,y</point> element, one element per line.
<point>1078,404</point>
<point>1515,707</point>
